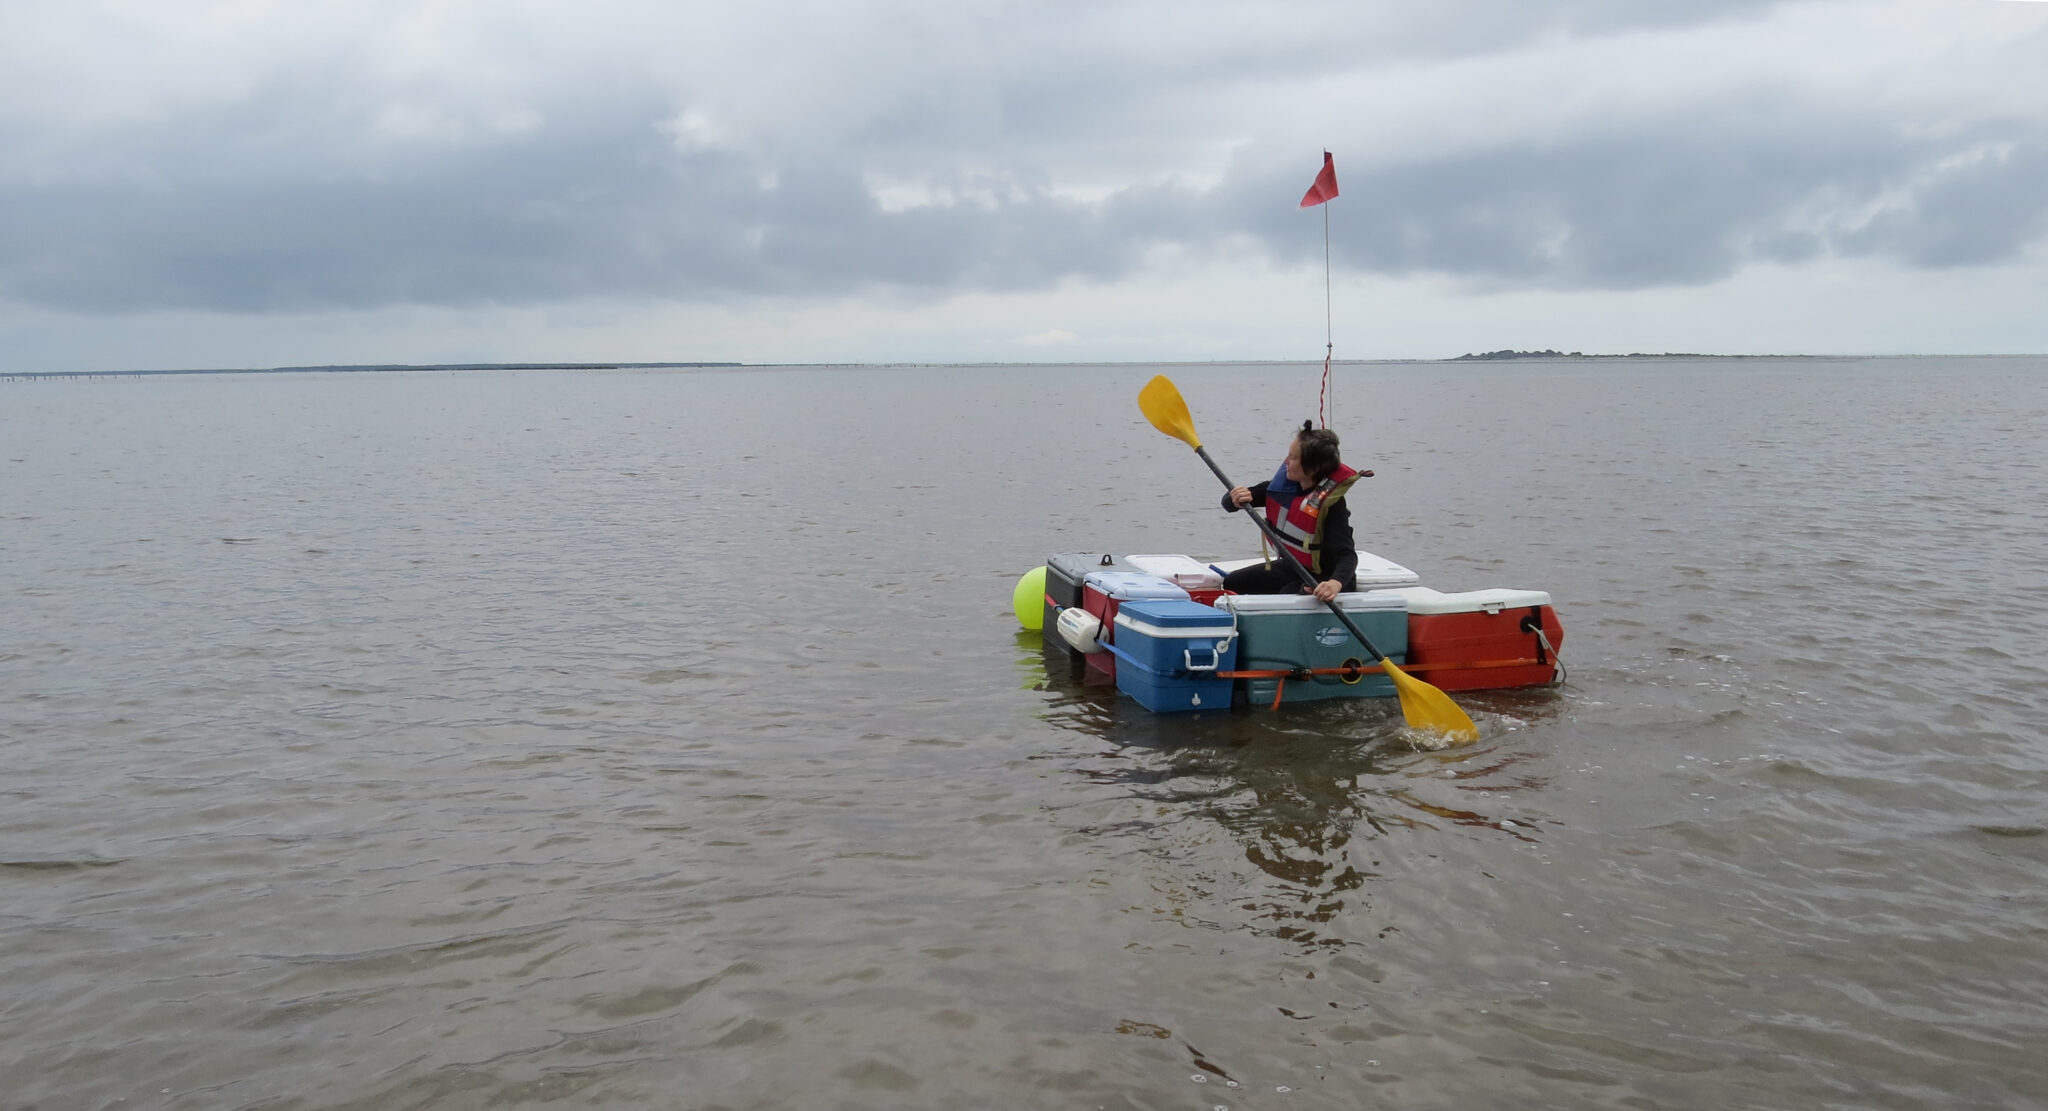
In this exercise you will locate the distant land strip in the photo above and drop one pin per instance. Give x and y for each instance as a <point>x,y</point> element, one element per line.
<point>364,369</point>
<point>1508,353</point>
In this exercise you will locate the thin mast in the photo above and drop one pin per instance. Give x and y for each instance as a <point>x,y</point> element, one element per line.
<point>1329,342</point>
<point>1321,193</point>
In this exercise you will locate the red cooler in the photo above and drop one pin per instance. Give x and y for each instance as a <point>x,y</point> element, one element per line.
<point>1481,639</point>
<point>1102,592</point>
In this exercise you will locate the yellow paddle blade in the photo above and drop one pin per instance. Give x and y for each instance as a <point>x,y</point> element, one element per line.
<point>1428,708</point>
<point>1163,406</point>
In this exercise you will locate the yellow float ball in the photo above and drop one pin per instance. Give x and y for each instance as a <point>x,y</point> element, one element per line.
<point>1029,599</point>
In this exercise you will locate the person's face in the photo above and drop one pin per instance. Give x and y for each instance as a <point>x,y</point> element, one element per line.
<point>1294,472</point>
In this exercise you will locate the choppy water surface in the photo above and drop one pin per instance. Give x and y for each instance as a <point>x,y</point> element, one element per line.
<point>665,740</point>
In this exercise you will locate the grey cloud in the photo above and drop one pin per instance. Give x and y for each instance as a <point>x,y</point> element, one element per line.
<point>1987,210</point>
<point>1684,202</point>
<point>282,202</point>
<point>1067,80</point>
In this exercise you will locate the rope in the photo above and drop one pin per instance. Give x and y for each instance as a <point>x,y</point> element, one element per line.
<point>1554,657</point>
<point>1322,416</point>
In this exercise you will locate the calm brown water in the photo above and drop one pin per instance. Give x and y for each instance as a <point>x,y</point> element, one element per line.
<point>665,740</point>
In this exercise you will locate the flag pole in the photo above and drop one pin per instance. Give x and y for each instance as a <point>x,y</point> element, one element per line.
<point>1321,193</point>
<point>1329,340</point>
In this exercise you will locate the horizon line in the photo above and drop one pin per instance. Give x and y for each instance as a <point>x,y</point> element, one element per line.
<point>1502,356</point>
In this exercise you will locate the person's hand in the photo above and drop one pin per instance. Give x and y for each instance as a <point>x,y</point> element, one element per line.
<point>1240,496</point>
<point>1327,590</point>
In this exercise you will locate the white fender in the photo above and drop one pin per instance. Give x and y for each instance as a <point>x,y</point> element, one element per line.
<point>1079,628</point>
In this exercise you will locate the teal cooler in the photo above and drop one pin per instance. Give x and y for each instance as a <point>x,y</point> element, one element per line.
<point>1278,631</point>
<point>1170,651</point>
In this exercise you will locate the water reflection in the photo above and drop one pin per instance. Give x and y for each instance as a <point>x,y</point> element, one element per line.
<point>1305,795</point>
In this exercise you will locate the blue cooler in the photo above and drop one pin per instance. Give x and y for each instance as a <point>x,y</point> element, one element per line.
<point>1170,651</point>
<point>1282,631</point>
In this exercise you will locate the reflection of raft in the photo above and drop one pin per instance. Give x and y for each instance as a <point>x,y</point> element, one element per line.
<point>1161,628</point>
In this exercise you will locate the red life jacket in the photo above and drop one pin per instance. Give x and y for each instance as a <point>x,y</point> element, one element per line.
<point>1299,520</point>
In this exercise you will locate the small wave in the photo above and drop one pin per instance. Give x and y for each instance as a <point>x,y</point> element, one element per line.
<point>56,863</point>
<point>2012,831</point>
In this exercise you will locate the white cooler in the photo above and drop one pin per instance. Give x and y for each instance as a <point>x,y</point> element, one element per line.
<point>1374,572</point>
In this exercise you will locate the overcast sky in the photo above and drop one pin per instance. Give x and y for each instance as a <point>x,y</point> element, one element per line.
<point>249,183</point>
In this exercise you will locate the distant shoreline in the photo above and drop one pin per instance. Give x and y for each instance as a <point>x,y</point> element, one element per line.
<point>1504,355</point>
<point>365,368</point>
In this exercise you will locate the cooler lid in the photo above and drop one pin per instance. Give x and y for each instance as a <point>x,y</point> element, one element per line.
<point>1184,570</point>
<point>1075,565</point>
<point>1423,600</point>
<point>1167,617</point>
<point>1374,571</point>
<point>1363,601</point>
<point>1126,585</point>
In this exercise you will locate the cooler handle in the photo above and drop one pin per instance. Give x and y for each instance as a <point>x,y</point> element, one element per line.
<point>1215,658</point>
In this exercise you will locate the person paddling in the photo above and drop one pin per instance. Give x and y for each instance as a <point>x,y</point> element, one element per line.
<point>1304,502</point>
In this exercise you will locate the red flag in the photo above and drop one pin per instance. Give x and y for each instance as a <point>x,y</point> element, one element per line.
<point>1325,186</point>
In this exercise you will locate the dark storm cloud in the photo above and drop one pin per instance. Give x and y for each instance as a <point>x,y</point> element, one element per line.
<point>1985,210</point>
<point>607,206</point>
<point>284,200</point>
<point>612,215</point>
<point>1687,201</point>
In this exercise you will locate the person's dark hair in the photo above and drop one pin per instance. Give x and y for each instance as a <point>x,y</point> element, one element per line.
<point>1318,451</point>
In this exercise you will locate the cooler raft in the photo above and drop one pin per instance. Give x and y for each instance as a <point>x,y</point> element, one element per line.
<point>1161,628</point>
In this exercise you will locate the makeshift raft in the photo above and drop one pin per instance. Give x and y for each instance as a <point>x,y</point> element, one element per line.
<point>1164,631</point>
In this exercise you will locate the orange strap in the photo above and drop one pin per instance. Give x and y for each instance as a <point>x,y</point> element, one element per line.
<point>1474,664</point>
<point>1295,672</point>
<point>1348,672</point>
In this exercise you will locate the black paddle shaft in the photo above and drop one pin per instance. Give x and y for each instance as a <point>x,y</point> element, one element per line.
<point>1307,578</point>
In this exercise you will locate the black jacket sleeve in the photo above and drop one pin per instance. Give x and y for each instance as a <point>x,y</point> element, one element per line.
<point>1258,496</point>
